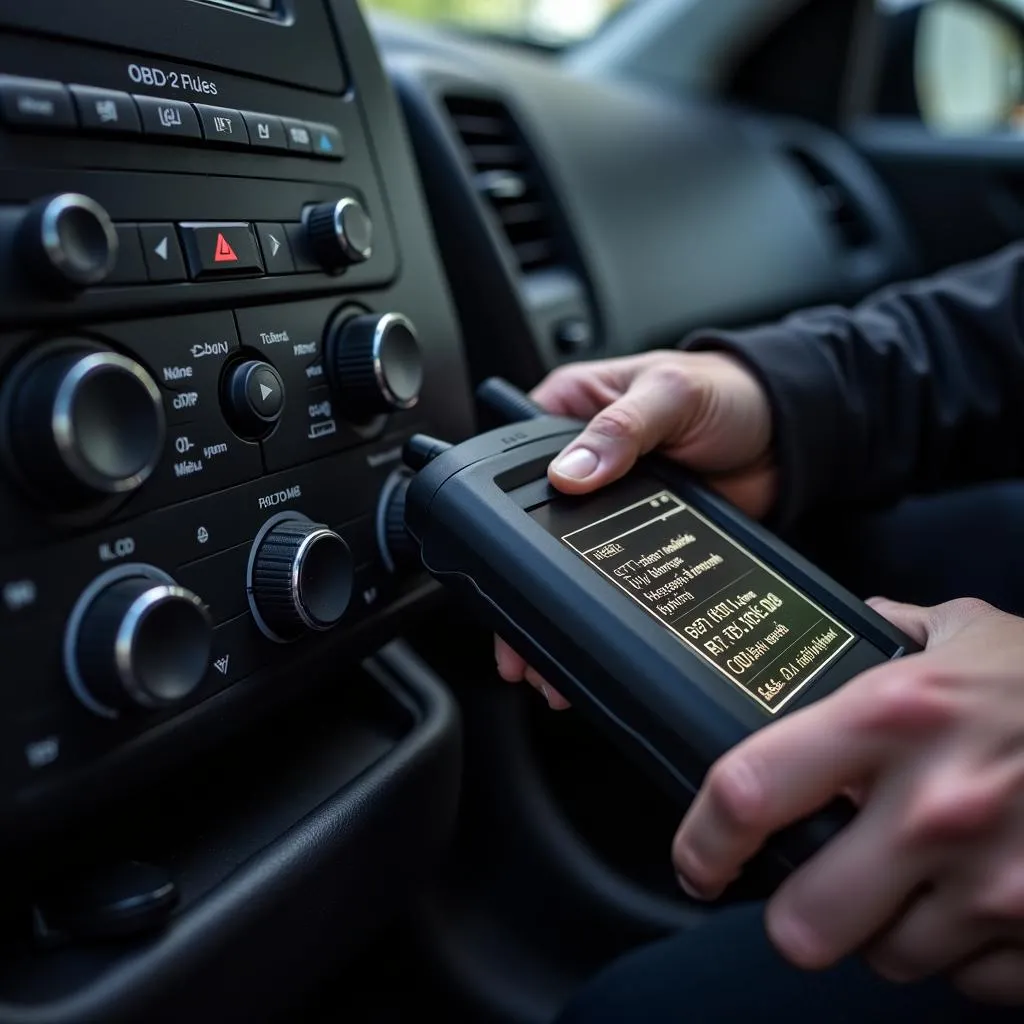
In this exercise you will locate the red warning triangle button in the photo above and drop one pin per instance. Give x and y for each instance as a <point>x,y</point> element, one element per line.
<point>223,252</point>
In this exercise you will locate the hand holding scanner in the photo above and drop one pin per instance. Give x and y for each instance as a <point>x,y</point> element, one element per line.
<point>668,617</point>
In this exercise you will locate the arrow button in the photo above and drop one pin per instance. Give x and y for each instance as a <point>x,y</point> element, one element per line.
<point>277,254</point>
<point>255,398</point>
<point>164,260</point>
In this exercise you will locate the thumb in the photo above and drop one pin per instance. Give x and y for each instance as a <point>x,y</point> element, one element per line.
<point>912,619</point>
<point>654,408</point>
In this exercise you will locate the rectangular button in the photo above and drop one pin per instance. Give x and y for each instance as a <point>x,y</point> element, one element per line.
<point>222,125</point>
<point>298,134</point>
<point>221,250</point>
<point>162,253</point>
<point>36,103</point>
<point>326,141</point>
<point>105,110</point>
<point>277,253</point>
<point>265,130</point>
<point>131,266</point>
<point>171,118</point>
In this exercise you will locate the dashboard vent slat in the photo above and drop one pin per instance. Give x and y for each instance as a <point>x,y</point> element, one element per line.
<point>508,179</point>
<point>838,206</point>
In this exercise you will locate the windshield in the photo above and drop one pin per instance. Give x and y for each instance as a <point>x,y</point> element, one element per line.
<point>546,22</point>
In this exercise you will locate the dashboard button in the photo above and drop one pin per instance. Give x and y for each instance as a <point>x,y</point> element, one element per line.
<point>221,250</point>
<point>171,118</point>
<point>130,267</point>
<point>105,110</point>
<point>298,135</point>
<point>36,103</point>
<point>164,262</point>
<point>254,396</point>
<point>277,253</point>
<point>222,125</point>
<point>326,141</point>
<point>265,131</point>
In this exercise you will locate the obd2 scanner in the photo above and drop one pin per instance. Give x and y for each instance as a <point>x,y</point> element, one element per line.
<point>665,615</point>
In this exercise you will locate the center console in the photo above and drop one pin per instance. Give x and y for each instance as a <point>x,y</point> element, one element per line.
<point>221,315</point>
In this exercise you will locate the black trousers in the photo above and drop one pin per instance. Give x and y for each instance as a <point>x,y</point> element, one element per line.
<point>969,544</point>
<point>726,972</point>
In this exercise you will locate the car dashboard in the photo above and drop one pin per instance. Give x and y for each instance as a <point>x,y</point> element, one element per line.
<point>247,249</point>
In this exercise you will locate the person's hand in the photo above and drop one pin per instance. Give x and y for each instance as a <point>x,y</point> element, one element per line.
<point>929,877</point>
<point>704,409</point>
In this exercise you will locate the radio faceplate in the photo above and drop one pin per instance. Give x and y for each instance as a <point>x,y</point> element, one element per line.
<point>211,353</point>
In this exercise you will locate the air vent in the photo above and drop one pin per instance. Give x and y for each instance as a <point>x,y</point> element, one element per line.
<point>508,179</point>
<point>838,205</point>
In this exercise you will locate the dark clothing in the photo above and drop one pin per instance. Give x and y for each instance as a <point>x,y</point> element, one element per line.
<point>919,388</point>
<point>726,972</point>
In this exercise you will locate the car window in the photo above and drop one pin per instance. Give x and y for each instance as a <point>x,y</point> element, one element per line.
<point>547,22</point>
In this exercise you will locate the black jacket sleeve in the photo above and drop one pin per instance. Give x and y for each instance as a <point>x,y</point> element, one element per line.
<point>918,388</point>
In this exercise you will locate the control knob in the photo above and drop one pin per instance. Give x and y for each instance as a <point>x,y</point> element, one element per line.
<point>254,398</point>
<point>375,364</point>
<point>68,241</point>
<point>137,640</point>
<point>84,423</point>
<point>339,234</point>
<point>398,548</point>
<point>300,578</point>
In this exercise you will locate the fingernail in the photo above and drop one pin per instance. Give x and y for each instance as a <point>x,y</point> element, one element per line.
<point>546,693</point>
<point>577,464</point>
<point>793,939</point>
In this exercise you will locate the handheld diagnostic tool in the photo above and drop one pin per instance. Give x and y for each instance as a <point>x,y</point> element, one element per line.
<point>662,612</point>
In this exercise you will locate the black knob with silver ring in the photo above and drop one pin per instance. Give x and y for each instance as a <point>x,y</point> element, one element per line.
<point>340,233</point>
<point>68,241</point>
<point>375,363</point>
<point>83,423</point>
<point>300,578</point>
<point>136,640</point>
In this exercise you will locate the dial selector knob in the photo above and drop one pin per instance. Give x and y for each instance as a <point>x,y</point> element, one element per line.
<point>340,233</point>
<point>68,241</point>
<point>398,549</point>
<point>300,578</point>
<point>138,642</point>
<point>84,423</point>
<point>376,364</point>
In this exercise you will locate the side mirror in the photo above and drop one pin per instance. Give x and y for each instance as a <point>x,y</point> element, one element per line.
<point>957,65</point>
